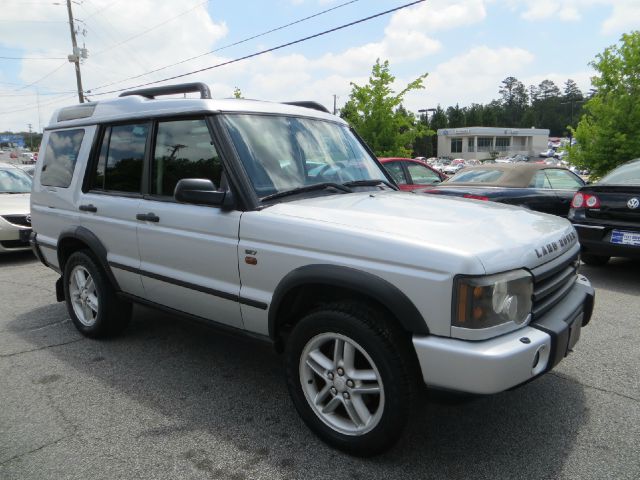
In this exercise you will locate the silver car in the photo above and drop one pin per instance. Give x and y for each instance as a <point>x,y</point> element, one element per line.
<point>15,220</point>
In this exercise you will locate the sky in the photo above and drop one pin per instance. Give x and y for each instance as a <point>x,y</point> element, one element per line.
<point>467,47</point>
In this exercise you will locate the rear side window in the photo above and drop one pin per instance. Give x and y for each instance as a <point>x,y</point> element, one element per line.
<point>396,171</point>
<point>60,157</point>
<point>183,149</point>
<point>121,159</point>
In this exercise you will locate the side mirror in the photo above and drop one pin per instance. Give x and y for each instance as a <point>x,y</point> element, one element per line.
<point>198,191</point>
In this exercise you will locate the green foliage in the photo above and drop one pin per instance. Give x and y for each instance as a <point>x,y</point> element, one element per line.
<point>237,93</point>
<point>376,112</point>
<point>608,133</point>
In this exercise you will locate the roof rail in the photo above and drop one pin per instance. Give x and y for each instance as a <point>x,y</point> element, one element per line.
<point>153,92</point>
<point>309,104</point>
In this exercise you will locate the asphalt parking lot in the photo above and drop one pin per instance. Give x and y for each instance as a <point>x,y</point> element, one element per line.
<point>171,399</point>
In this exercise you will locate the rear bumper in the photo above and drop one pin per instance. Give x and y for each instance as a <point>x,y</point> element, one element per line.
<point>501,363</point>
<point>596,239</point>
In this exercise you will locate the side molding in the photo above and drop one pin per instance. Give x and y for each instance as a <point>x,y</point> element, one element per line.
<point>345,277</point>
<point>87,237</point>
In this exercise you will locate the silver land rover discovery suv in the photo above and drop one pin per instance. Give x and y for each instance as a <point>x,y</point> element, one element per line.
<point>277,221</point>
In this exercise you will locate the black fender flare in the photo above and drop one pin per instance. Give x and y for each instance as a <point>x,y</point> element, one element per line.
<point>346,277</point>
<point>89,238</point>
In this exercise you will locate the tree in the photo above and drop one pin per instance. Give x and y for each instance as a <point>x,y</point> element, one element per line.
<point>608,132</point>
<point>237,93</point>
<point>514,101</point>
<point>572,92</point>
<point>455,116</point>
<point>374,111</point>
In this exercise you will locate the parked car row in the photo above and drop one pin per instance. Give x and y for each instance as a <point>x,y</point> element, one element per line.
<point>15,219</point>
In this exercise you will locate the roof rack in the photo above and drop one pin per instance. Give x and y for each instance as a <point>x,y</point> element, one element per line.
<point>309,104</point>
<point>153,92</point>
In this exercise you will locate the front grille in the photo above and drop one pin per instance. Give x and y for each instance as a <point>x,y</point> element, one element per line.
<point>13,243</point>
<point>551,282</point>
<point>22,220</point>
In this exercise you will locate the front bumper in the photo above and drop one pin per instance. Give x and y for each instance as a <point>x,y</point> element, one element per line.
<point>501,363</point>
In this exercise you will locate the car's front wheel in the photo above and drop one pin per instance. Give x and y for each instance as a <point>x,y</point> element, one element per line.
<point>351,377</point>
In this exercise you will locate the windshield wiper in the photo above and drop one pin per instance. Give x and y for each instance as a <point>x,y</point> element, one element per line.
<point>369,183</point>
<point>308,188</point>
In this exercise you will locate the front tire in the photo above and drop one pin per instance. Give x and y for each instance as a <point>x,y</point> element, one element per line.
<point>352,377</point>
<point>92,303</point>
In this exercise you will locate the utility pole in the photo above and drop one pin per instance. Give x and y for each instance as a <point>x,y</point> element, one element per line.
<point>30,138</point>
<point>75,58</point>
<point>335,110</point>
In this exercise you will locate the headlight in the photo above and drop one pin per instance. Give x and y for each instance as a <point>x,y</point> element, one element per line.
<point>492,300</point>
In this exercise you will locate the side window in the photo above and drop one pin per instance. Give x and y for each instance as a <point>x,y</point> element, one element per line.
<point>540,180</point>
<point>563,180</point>
<point>396,171</point>
<point>421,175</point>
<point>121,159</point>
<point>183,149</point>
<point>60,157</point>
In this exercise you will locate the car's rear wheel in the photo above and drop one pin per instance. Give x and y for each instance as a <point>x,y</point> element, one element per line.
<point>594,260</point>
<point>351,377</point>
<point>93,306</point>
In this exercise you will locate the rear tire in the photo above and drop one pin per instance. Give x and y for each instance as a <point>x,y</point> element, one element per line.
<point>352,377</point>
<point>92,303</point>
<point>594,260</point>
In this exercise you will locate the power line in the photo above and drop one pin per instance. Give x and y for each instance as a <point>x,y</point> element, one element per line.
<point>45,77</point>
<point>151,28</point>
<point>262,52</point>
<point>38,105</point>
<point>281,27</point>
<point>32,58</point>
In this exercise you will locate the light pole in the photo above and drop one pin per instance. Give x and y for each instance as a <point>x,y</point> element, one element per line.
<point>571,102</point>
<point>426,122</point>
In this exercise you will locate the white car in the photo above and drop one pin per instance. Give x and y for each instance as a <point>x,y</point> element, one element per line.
<point>276,221</point>
<point>15,220</point>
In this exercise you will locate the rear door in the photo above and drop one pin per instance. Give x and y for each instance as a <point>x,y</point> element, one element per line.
<point>189,253</point>
<point>111,196</point>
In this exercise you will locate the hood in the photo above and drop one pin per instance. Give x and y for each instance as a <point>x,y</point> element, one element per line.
<point>501,237</point>
<point>14,203</point>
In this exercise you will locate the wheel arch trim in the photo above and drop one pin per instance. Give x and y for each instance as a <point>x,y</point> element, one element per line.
<point>362,282</point>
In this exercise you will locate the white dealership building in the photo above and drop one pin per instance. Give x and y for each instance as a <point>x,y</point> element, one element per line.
<point>478,142</point>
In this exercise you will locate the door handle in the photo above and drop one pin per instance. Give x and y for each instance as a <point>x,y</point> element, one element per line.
<point>148,217</point>
<point>88,208</point>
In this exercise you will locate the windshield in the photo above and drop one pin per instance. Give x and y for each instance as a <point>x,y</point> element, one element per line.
<point>14,181</point>
<point>477,176</point>
<point>285,153</point>
<point>628,174</point>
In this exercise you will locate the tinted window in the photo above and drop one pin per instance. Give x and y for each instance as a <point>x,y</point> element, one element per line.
<point>540,180</point>
<point>183,150</point>
<point>628,174</point>
<point>396,171</point>
<point>421,175</point>
<point>121,159</point>
<point>477,176</point>
<point>563,180</point>
<point>14,181</point>
<point>60,157</point>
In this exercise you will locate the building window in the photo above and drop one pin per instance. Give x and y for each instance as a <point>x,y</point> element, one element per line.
<point>471,144</point>
<point>520,143</point>
<point>503,144</point>
<point>485,144</point>
<point>456,145</point>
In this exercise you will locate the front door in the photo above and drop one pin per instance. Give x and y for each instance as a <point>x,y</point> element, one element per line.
<point>189,253</point>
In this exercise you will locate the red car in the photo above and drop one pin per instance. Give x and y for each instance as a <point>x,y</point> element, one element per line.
<point>412,174</point>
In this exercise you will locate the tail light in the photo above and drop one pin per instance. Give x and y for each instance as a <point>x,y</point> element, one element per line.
<point>476,197</point>
<point>585,200</point>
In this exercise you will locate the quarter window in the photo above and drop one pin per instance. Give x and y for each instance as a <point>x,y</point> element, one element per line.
<point>563,180</point>
<point>60,157</point>
<point>421,175</point>
<point>183,149</point>
<point>121,159</point>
